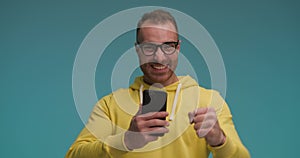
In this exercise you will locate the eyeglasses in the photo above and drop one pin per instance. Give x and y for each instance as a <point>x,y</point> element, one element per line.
<point>149,49</point>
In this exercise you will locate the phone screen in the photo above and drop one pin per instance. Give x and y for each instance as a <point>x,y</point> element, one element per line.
<point>154,101</point>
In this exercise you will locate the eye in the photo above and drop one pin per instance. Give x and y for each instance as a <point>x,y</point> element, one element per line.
<point>169,46</point>
<point>148,47</point>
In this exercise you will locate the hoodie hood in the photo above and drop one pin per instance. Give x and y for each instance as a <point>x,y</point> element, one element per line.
<point>185,81</point>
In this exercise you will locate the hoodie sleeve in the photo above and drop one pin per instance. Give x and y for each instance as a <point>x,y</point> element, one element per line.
<point>99,131</point>
<point>233,147</point>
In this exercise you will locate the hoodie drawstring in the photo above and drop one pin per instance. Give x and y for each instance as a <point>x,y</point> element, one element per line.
<point>174,102</point>
<point>141,94</point>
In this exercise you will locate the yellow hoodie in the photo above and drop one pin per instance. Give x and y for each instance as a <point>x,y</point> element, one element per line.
<point>103,135</point>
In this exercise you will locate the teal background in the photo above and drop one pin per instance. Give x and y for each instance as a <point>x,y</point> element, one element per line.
<point>259,42</point>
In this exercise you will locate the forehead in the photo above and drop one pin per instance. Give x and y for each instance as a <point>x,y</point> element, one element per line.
<point>150,32</point>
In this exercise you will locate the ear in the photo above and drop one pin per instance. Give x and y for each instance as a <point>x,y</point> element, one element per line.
<point>178,46</point>
<point>137,49</point>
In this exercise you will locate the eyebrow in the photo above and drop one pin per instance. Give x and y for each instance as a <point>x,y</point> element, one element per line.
<point>170,42</point>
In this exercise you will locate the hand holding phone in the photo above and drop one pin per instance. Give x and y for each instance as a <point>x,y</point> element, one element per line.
<point>154,101</point>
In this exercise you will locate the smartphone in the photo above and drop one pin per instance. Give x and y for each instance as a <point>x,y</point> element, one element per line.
<point>154,101</point>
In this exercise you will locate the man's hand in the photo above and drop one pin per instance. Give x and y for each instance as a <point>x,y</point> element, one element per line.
<point>207,126</point>
<point>145,128</point>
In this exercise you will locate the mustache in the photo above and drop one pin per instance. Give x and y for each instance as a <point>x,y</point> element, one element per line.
<point>145,65</point>
<point>155,63</point>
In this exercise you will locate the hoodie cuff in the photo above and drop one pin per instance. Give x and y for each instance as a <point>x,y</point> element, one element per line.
<point>228,148</point>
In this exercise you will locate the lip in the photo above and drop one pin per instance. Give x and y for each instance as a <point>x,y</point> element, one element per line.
<point>159,68</point>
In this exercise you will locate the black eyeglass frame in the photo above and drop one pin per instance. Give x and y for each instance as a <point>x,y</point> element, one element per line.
<point>156,47</point>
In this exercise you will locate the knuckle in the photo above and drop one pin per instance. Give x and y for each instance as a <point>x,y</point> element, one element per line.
<point>138,118</point>
<point>196,126</point>
<point>155,122</point>
<point>139,125</point>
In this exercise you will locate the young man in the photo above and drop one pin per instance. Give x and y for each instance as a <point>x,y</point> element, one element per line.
<point>196,122</point>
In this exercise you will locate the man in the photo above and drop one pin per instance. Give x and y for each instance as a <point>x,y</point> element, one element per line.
<point>197,121</point>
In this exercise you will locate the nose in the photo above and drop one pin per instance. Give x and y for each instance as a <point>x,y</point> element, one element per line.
<point>159,56</point>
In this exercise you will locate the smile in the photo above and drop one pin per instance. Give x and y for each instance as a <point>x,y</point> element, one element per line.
<point>159,67</point>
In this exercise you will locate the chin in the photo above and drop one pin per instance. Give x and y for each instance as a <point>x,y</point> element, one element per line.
<point>162,79</point>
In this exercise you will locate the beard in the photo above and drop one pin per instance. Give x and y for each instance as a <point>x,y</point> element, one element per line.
<point>159,73</point>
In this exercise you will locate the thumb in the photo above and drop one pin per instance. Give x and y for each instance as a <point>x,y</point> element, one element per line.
<point>192,115</point>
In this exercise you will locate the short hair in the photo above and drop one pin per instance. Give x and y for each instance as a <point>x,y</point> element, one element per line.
<point>156,17</point>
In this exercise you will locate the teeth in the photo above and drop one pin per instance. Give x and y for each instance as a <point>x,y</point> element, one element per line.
<point>159,67</point>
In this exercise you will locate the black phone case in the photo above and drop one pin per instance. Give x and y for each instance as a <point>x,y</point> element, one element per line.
<point>154,101</point>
